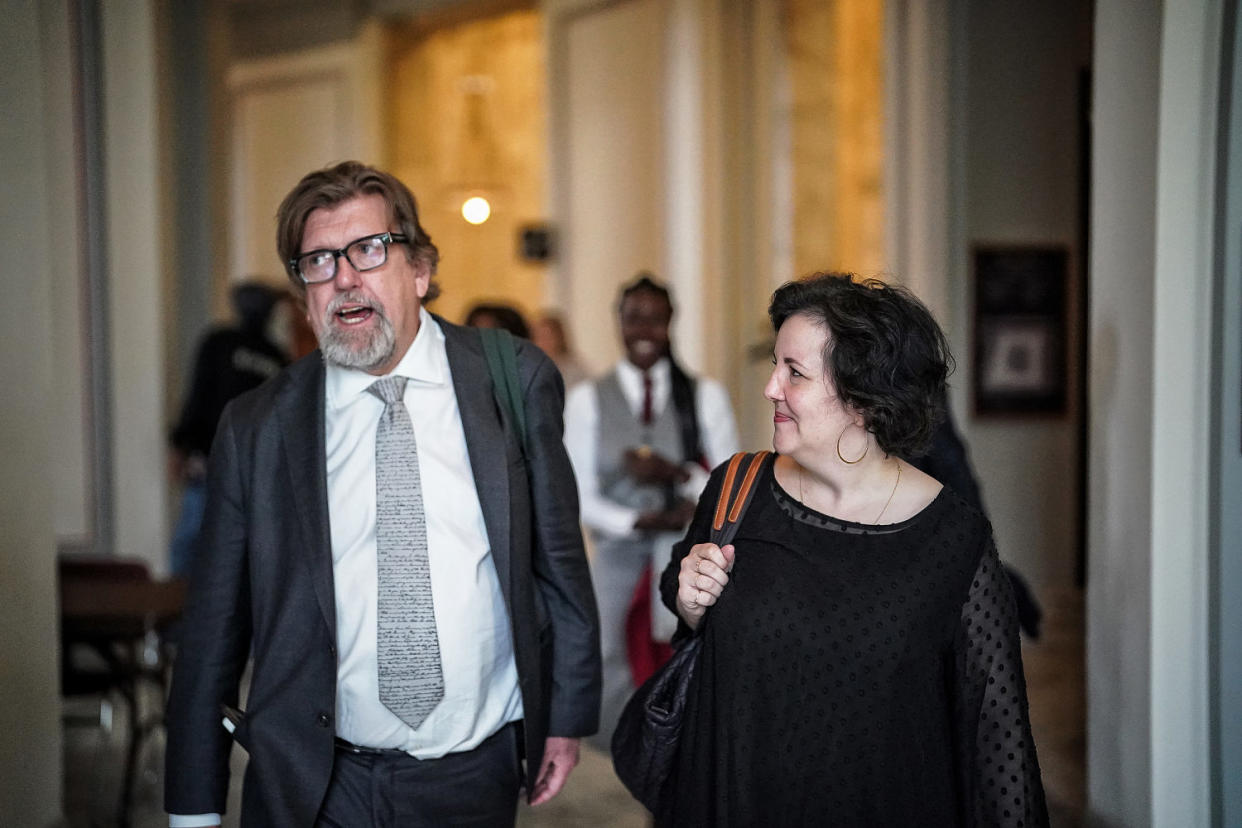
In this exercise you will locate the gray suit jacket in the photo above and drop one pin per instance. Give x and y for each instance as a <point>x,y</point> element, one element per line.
<point>262,584</point>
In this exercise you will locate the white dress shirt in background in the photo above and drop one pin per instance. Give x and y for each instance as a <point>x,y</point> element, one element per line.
<point>717,434</point>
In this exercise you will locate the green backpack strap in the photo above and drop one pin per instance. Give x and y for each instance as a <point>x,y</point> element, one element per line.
<point>501,353</point>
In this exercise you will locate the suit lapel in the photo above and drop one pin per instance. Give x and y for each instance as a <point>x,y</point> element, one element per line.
<point>485,439</point>
<point>300,409</point>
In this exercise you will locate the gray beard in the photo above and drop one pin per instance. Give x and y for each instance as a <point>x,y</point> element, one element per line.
<point>364,350</point>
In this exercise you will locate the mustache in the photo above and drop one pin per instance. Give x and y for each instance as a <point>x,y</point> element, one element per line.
<point>351,298</point>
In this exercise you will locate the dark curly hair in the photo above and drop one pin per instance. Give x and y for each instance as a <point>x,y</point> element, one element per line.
<point>337,184</point>
<point>501,316</point>
<point>885,354</point>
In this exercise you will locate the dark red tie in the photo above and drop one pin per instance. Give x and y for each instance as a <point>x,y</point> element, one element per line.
<point>647,415</point>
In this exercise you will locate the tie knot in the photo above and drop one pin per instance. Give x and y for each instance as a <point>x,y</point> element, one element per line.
<point>388,389</point>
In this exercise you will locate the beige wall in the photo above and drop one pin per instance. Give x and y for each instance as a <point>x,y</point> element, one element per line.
<point>136,265</point>
<point>288,115</point>
<point>1151,263</point>
<point>1018,139</point>
<point>755,197</point>
<point>1181,424</point>
<point>466,110</point>
<point>36,52</point>
<point>607,147</point>
<point>72,511</point>
<point>982,147</point>
<point>920,192</point>
<point>836,62</point>
<point>677,117</point>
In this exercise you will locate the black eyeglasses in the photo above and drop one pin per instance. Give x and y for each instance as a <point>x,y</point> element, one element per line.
<point>366,253</point>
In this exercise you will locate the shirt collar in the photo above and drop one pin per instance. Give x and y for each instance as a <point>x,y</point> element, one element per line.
<point>424,362</point>
<point>659,372</point>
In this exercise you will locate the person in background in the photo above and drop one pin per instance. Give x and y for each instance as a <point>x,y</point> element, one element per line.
<point>290,327</point>
<point>859,660</point>
<point>641,438</point>
<point>406,575</point>
<point>231,360</point>
<point>947,460</point>
<point>548,333</point>
<point>497,315</point>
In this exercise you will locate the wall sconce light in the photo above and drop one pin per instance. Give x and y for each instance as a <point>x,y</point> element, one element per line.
<point>474,193</point>
<point>476,209</point>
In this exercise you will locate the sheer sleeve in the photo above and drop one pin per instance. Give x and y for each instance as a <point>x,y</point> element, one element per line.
<point>998,769</point>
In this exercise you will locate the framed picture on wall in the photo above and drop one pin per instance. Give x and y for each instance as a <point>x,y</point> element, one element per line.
<point>1020,329</point>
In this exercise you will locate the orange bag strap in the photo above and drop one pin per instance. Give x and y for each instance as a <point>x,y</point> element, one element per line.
<point>735,497</point>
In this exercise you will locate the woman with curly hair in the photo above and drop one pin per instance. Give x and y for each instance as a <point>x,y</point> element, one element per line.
<point>860,661</point>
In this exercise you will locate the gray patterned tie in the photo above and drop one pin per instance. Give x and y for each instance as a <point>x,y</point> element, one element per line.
<point>411,681</point>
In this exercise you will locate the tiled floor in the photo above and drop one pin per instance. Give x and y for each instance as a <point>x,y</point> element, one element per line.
<point>1054,666</point>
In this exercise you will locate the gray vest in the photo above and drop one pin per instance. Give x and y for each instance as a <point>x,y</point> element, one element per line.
<point>619,430</point>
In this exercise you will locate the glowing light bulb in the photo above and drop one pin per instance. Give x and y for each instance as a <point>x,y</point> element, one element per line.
<point>476,210</point>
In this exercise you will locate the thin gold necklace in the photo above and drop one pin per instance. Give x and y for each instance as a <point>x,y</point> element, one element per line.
<point>896,483</point>
<point>890,494</point>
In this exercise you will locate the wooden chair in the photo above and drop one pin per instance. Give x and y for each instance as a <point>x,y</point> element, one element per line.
<point>113,620</point>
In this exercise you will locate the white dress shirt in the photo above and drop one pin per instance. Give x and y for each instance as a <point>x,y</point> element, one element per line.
<point>476,649</point>
<point>717,433</point>
<point>481,692</point>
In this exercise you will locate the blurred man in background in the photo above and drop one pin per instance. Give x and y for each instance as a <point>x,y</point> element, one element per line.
<point>642,439</point>
<point>231,360</point>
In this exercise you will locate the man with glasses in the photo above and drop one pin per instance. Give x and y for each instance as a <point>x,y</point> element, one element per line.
<point>409,578</point>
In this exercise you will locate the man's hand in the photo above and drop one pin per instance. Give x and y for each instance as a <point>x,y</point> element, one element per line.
<point>176,465</point>
<point>652,469</point>
<point>666,520</point>
<point>560,754</point>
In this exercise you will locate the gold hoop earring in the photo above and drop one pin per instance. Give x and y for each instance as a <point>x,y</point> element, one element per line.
<point>866,449</point>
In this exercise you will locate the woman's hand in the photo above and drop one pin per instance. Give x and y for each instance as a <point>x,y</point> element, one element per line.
<point>704,573</point>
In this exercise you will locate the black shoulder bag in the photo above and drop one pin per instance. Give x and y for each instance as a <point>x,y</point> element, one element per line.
<point>644,745</point>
